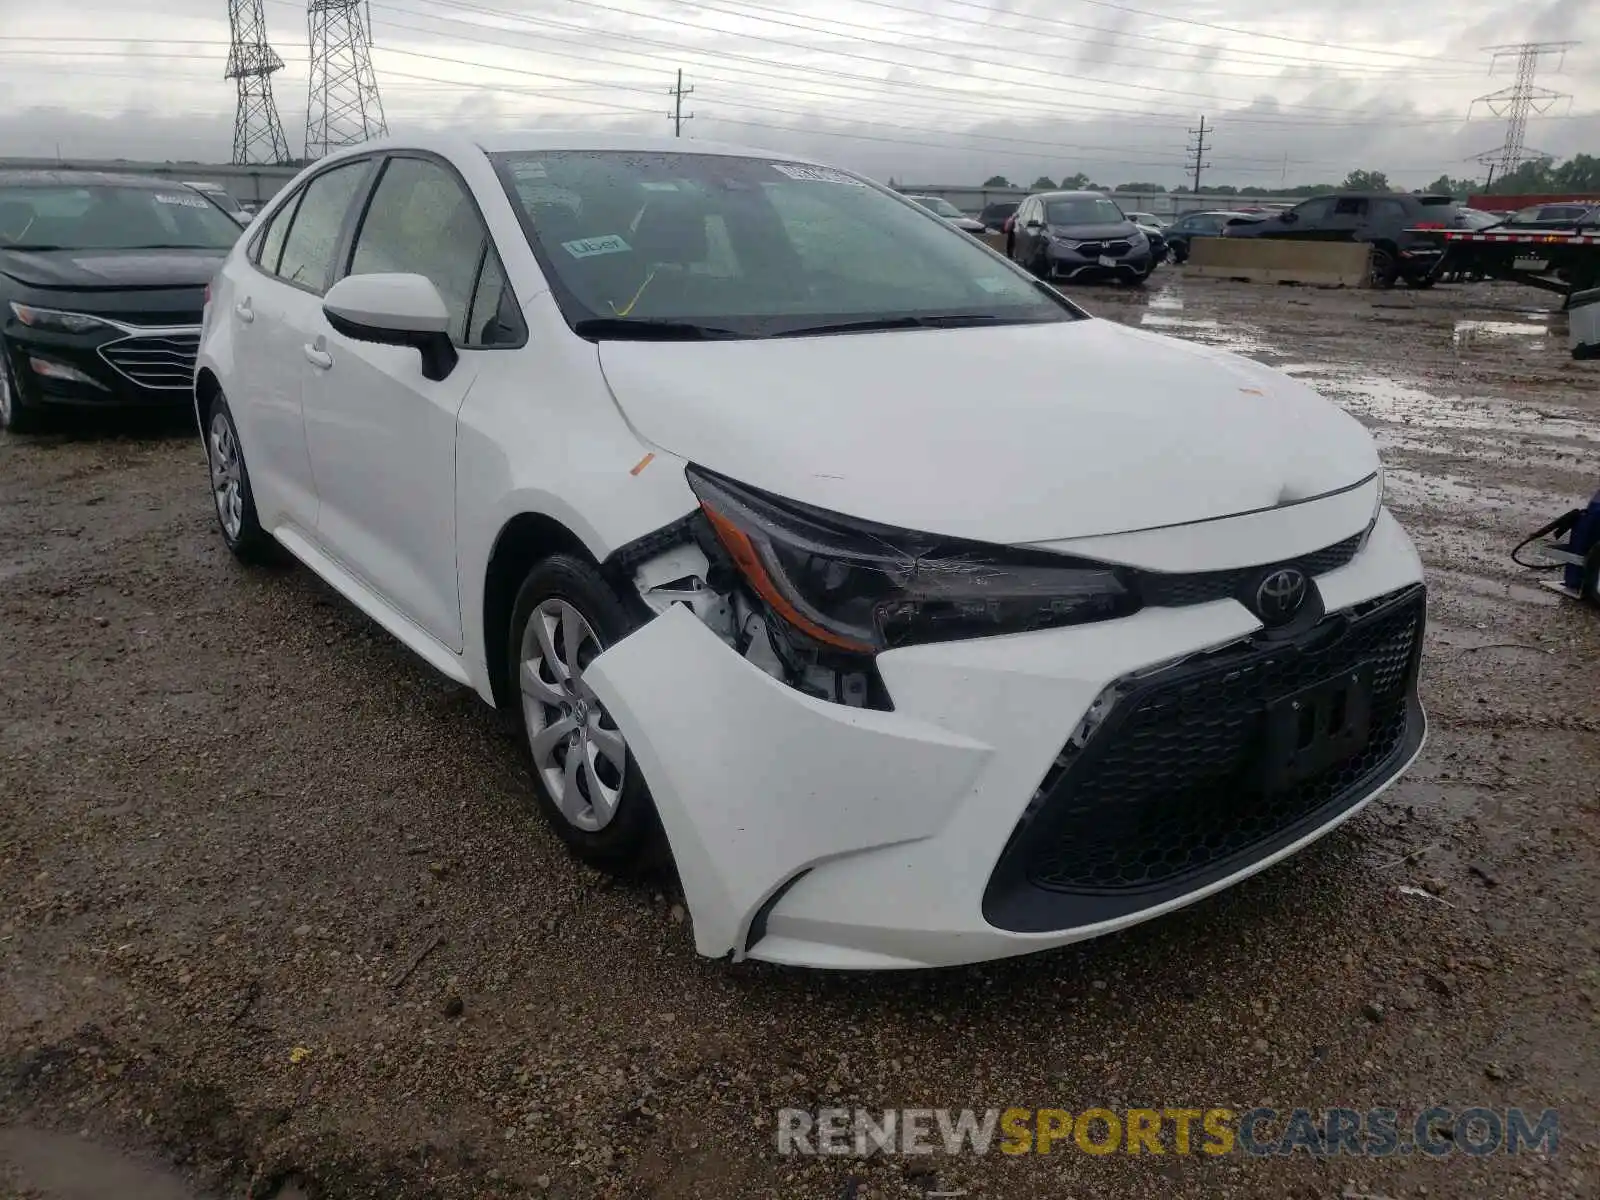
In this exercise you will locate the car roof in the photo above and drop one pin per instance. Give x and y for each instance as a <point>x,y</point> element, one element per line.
<point>577,139</point>
<point>38,178</point>
<point>1084,195</point>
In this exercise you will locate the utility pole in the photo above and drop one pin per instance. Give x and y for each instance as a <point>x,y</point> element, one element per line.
<point>1516,102</point>
<point>1199,149</point>
<point>677,116</point>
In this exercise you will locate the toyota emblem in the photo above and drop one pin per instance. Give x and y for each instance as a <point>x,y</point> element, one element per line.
<point>1280,595</point>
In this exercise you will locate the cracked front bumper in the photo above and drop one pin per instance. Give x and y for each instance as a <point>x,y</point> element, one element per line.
<point>818,834</point>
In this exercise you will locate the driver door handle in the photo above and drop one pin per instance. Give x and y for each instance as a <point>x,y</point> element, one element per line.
<point>244,312</point>
<point>320,359</point>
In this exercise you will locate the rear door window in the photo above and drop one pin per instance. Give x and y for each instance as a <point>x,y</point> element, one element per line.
<point>313,238</point>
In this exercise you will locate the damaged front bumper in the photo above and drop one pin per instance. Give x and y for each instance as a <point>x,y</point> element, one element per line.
<point>952,828</point>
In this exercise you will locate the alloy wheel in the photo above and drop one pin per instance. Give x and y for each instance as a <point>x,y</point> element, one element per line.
<point>577,749</point>
<point>227,476</point>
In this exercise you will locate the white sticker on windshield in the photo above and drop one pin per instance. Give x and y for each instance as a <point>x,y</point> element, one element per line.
<point>184,201</point>
<point>528,170</point>
<point>609,243</point>
<point>815,174</point>
<point>658,185</point>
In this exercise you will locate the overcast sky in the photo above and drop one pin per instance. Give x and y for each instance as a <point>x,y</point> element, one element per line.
<point>932,91</point>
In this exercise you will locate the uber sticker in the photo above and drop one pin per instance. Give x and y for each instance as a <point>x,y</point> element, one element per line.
<point>815,174</point>
<point>609,243</point>
<point>528,170</point>
<point>184,201</point>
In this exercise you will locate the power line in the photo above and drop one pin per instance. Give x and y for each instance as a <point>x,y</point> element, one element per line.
<point>1198,150</point>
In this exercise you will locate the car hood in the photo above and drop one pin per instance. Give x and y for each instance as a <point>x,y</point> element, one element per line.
<point>1006,434</point>
<point>111,269</point>
<point>1112,229</point>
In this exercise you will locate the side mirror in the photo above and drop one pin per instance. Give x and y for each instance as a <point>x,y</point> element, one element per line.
<point>1288,218</point>
<point>394,310</point>
<point>1034,225</point>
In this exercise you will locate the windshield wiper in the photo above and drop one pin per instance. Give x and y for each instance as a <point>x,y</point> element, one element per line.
<point>872,324</point>
<point>175,246</point>
<point>32,246</point>
<point>651,330</point>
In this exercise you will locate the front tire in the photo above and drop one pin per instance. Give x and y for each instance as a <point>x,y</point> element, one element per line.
<point>231,496</point>
<point>16,414</point>
<point>585,781</point>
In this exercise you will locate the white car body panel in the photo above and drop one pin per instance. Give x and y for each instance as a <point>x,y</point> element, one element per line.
<point>892,433</point>
<point>743,777</point>
<point>804,831</point>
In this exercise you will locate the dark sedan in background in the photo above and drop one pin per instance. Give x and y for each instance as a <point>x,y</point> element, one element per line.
<point>102,285</point>
<point>940,207</point>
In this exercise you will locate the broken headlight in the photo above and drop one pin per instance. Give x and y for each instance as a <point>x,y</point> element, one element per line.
<point>857,586</point>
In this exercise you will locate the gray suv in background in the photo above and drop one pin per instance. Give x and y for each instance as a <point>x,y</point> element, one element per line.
<point>1081,236</point>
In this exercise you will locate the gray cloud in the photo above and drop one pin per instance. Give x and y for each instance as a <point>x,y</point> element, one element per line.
<point>953,95</point>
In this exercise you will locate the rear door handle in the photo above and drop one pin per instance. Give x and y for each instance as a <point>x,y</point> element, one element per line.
<point>320,359</point>
<point>244,312</point>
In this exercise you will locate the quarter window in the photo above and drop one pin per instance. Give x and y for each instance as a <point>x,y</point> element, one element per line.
<point>422,222</point>
<point>269,247</point>
<point>308,250</point>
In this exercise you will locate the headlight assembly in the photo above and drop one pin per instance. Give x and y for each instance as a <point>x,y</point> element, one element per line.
<point>57,322</point>
<point>1067,243</point>
<point>859,587</point>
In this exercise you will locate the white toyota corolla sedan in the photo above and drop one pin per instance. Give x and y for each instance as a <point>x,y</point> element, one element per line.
<point>920,617</point>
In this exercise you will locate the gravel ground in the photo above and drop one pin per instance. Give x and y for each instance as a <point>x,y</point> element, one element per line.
<point>277,918</point>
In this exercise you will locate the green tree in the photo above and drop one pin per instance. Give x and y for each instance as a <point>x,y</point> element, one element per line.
<point>1043,184</point>
<point>998,181</point>
<point>1446,186</point>
<point>1139,187</point>
<point>1529,179</point>
<point>1076,183</point>
<point>1580,173</point>
<point>1366,181</point>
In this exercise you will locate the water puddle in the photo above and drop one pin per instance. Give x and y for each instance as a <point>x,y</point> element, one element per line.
<point>1165,300</point>
<point>1468,333</point>
<point>1414,489</point>
<point>1401,404</point>
<point>1206,331</point>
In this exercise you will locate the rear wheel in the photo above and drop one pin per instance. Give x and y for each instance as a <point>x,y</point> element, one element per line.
<point>1178,252</point>
<point>585,781</point>
<point>232,498</point>
<point>1589,584</point>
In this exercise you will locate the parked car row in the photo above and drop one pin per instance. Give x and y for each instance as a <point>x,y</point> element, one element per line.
<point>806,545</point>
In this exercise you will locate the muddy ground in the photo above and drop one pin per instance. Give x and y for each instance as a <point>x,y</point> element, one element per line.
<point>275,917</point>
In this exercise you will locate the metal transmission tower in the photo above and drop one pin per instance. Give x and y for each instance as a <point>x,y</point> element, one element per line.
<point>343,107</point>
<point>257,131</point>
<point>1516,102</point>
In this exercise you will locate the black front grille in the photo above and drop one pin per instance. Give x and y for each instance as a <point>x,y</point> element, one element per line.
<point>1094,249</point>
<point>1201,587</point>
<point>1164,797</point>
<point>155,360</point>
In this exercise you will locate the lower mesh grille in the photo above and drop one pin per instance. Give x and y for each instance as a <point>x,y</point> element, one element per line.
<point>163,360</point>
<point>1166,793</point>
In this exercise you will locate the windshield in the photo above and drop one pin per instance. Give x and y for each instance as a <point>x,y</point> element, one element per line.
<point>940,205</point>
<point>1083,210</point>
<point>107,217</point>
<point>750,247</point>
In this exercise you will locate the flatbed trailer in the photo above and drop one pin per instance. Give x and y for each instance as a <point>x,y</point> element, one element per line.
<point>1562,261</point>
